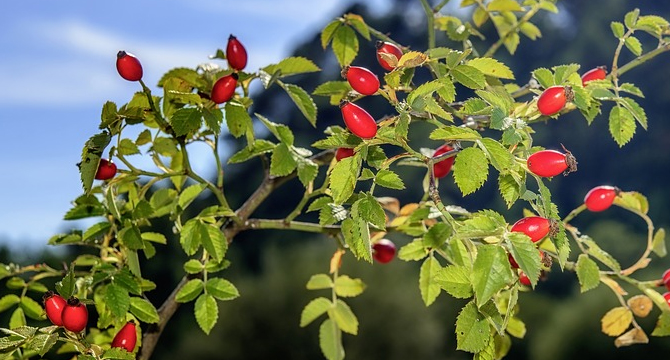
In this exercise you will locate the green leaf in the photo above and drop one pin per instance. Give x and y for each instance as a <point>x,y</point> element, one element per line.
<point>563,72</point>
<point>186,120</point>
<point>282,132</point>
<point>492,67</point>
<point>658,245</point>
<point>212,240</point>
<point>526,255</point>
<point>117,300</point>
<point>512,42</point>
<point>631,18</point>
<point>313,310</point>
<point>509,189</point>
<point>144,310</point>
<point>238,119</point>
<point>281,162</point>
<point>601,255</point>
<point>42,343</point>
<point>131,237</point>
<point>330,340</point>
<point>307,170</point>
<point>530,30</point>
<point>190,291</point>
<point>452,132</point>
<point>343,178</point>
<point>456,281</point>
<point>632,200</point>
<point>189,194</point>
<point>357,236</point>
<point>662,325</point>
<point>256,148</point>
<point>632,89</point>
<point>389,179</point>
<point>221,289</point>
<point>330,88</point>
<point>469,76</point>
<point>504,5</point>
<point>193,266</point>
<point>165,146</point>
<point>206,312</point>
<point>359,24</point>
<point>8,301</point>
<point>471,169</point>
<point>302,99</point>
<point>429,288</point>
<point>622,125</point>
<point>544,77</point>
<point>635,109</point>
<point>127,147</point>
<point>345,45</point>
<point>90,158</point>
<point>587,273</point>
<point>114,354</point>
<point>66,286</point>
<point>348,287</point>
<point>437,235</point>
<point>490,273</point>
<point>328,32</point>
<point>413,251</point>
<point>128,281</point>
<point>422,91</point>
<point>634,45</point>
<point>319,281</point>
<point>17,319</point>
<point>344,317</point>
<point>497,154</point>
<point>213,119</point>
<point>472,329</point>
<point>292,66</point>
<point>369,209</point>
<point>32,308</point>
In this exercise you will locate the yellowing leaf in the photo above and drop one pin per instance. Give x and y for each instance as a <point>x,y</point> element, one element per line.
<point>640,305</point>
<point>412,59</point>
<point>616,321</point>
<point>634,336</point>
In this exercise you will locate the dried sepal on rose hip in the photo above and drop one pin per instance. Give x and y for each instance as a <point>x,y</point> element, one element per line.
<point>388,49</point>
<point>553,99</point>
<point>53,307</point>
<point>600,198</point>
<point>236,53</point>
<point>548,163</point>
<point>358,121</point>
<point>597,73</point>
<point>128,66</point>
<point>126,338</point>
<point>361,79</point>
<point>383,251</point>
<point>75,315</point>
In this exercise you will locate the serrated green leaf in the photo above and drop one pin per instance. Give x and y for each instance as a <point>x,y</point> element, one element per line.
<point>658,245</point>
<point>114,354</point>
<point>469,76</point>
<point>344,317</point>
<point>544,77</point>
<point>471,169</point>
<point>456,281</point>
<point>662,327</point>
<point>282,132</point>
<point>389,179</point>
<point>128,281</point>
<point>313,310</point>
<point>599,254</point>
<point>213,119</point>
<point>328,32</point>
<point>190,291</point>
<point>221,289</point>
<point>632,89</point>
<point>499,98</point>
<point>634,45</point>
<point>632,200</point>
<point>348,287</point>
<point>238,119</point>
<point>32,308</point>
<point>423,90</point>
<point>343,178</point>
<point>8,301</point>
<point>452,132</point>
<point>525,253</point>
<point>282,163</point>
<point>189,194</point>
<point>631,18</point>
<point>504,5</point>
<point>90,158</point>
<point>292,66</point>
<point>512,42</point>
<point>206,312</point>
<point>429,288</point>
<point>144,310</point>
<point>319,281</point>
<point>345,45</point>
<point>117,300</point>
<point>587,273</point>
<point>330,88</point>
<point>635,109</point>
<point>357,236</point>
<point>490,273</point>
<point>497,154</point>
<point>42,343</point>
<point>127,147</point>
<point>530,30</point>
<point>437,235</point>
<point>96,230</point>
<point>185,121</point>
<point>369,209</point>
<point>193,266</point>
<point>257,148</point>
<point>302,100</point>
<point>307,170</point>
<point>472,329</point>
<point>17,319</point>
<point>330,340</point>
<point>622,125</point>
<point>492,67</point>
<point>413,251</point>
<point>131,237</point>
<point>359,24</point>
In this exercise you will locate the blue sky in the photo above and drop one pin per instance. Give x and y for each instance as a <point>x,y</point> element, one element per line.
<point>57,69</point>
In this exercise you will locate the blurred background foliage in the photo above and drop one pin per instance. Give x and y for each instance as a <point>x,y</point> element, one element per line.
<point>271,268</point>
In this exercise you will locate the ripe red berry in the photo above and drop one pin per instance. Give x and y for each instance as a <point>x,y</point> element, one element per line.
<point>387,48</point>
<point>53,306</point>
<point>383,251</point>
<point>548,163</point>
<point>536,227</point>
<point>128,66</point>
<point>667,297</point>
<point>224,88</point>
<point>126,338</point>
<point>75,315</point>
<point>523,278</point>
<point>342,153</point>
<point>236,53</point>
<point>553,99</point>
<point>599,73</point>
<point>358,121</point>
<point>666,279</point>
<point>600,198</point>
<point>443,167</point>
<point>106,170</point>
<point>361,79</point>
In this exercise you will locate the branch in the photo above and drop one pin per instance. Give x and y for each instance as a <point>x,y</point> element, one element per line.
<point>280,224</point>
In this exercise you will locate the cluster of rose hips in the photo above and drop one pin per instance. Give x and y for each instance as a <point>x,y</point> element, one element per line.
<point>73,316</point>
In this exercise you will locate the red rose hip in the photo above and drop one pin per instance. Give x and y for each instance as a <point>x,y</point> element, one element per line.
<point>548,163</point>
<point>553,99</point>
<point>383,251</point>
<point>536,227</point>
<point>224,88</point>
<point>106,170</point>
<point>53,306</point>
<point>599,73</point>
<point>523,278</point>
<point>128,66</point>
<point>126,338</point>
<point>342,153</point>
<point>358,121</point>
<point>390,49</point>
<point>666,296</point>
<point>75,315</point>
<point>600,198</point>
<point>443,167</point>
<point>666,279</point>
<point>361,79</point>
<point>236,53</point>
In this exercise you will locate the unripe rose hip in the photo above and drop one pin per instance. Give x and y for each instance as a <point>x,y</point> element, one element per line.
<point>224,88</point>
<point>387,48</point>
<point>361,79</point>
<point>128,66</point>
<point>358,121</point>
<point>553,99</point>
<point>443,167</point>
<point>548,163</point>
<point>600,198</point>
<point>599,73</point>
<point>236,53</point>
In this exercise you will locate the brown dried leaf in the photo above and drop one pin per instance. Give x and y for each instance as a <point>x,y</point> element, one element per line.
<point>336,261</point>
<point>389,204</point>
<point>616,321</point>
<point>613,285</point>
<point>408,209</point>
<point>640,305</point>
<point>634,336</point>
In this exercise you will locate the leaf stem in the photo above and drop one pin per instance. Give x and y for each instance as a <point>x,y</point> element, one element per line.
<point>494,48</point>
<point>430,19</point>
